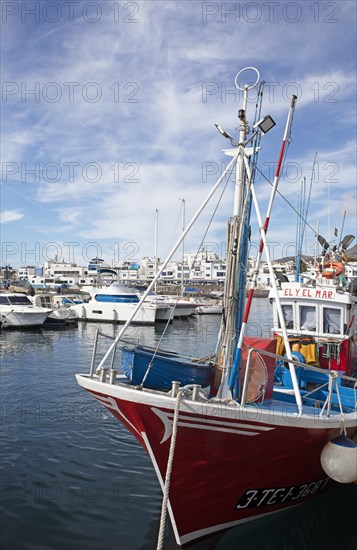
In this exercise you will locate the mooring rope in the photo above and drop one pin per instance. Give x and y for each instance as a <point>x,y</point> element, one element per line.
<point>160,542</point>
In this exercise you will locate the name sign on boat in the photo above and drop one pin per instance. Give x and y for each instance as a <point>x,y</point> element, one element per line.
<point>323,294</point>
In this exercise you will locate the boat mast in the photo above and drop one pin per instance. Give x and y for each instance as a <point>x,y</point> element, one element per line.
<point>303,222</point>
<point>237,237</point>
<point>183,216</point>
<point>343,224</point>
<point>239,184</point>
<point>156,243</point>
<point>264,228</point>
<point>156,233</point>
<point>299,230</point>
<point>316,247</point>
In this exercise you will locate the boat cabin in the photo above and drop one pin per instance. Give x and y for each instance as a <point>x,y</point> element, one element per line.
<point>320,322</point>
<point>14,300</point>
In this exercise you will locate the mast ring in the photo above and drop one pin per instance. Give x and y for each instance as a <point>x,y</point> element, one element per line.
<point>246,86</point>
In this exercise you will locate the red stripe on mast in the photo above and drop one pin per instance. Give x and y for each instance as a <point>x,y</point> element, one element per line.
<point>280,161</point>
<point>247,306</point>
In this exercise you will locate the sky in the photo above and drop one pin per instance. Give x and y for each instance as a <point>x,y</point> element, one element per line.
<point>108,111</point>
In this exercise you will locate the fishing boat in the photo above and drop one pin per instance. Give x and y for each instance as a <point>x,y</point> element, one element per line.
<point>242,445</point>
<point>17,311</point>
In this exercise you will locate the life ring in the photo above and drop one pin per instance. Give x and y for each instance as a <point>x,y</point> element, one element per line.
<point>337,268</point>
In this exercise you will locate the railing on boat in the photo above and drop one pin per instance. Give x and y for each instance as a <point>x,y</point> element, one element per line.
<point>94,352</point>
<point>333,378</point>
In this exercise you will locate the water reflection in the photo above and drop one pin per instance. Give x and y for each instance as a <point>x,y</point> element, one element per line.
<point>310,526</point>
<point>15,342</point>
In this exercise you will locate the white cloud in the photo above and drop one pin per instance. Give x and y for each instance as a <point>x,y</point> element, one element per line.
<point>8,216</point>
<point>163,82</point>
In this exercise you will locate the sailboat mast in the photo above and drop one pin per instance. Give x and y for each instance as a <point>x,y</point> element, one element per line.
<point>156,233</point>
<point>156,244</point>
<point>183,214</point>
<point>316,247</point>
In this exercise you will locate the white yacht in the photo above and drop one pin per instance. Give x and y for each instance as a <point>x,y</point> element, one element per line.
<point>210,307</point>
<point>17,311</point>
<point>117,302</point>
<point>177,306</point>
<point>181,308</point>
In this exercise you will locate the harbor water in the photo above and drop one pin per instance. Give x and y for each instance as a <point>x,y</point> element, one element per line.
<point>72,477</point>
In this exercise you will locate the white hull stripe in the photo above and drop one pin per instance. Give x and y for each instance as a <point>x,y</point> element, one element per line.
<point>111,404</point>
<point>210,425</point>
<point>215,428</point>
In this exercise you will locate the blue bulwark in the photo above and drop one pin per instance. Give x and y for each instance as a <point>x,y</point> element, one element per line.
<point>113,298</point>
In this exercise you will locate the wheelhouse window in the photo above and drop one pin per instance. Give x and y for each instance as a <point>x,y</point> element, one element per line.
<point>19,300</point>
<point>332,320</point>
<point>45,301</point>
<point>117,298</point>
<point>288,315</point>
<point>308,318</point>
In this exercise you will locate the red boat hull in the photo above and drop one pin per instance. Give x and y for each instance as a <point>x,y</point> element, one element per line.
<point>237,475</point>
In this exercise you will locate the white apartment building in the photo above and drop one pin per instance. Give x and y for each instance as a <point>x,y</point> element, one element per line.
<point>54,274</point>
<point>195,267</point>
<point>351,270</point>
<point>201,267</point>
<point>27,271</point>
<point>55,268</point>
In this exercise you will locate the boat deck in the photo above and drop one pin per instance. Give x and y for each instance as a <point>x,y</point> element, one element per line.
<point>283,402</point>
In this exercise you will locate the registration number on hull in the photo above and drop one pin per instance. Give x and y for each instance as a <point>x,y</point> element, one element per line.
<point>267,497</point>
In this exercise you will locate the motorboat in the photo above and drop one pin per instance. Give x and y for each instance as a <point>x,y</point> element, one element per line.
<point>17,311</point>
<point>116,303</point>
<point>210,307</point>
<point>182,308</point>
<point>61,314</point>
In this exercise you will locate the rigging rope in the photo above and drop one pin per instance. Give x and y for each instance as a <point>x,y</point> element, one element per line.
<point>286,200</point>
<point>209,224</point>
<point>156,350</point>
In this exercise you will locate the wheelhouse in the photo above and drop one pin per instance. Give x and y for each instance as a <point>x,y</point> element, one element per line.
<point>320,322</point>
<point>319,312</point>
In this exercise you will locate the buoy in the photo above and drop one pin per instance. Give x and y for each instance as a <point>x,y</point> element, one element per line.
<point>334,269</point>
<point>339,459</point>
